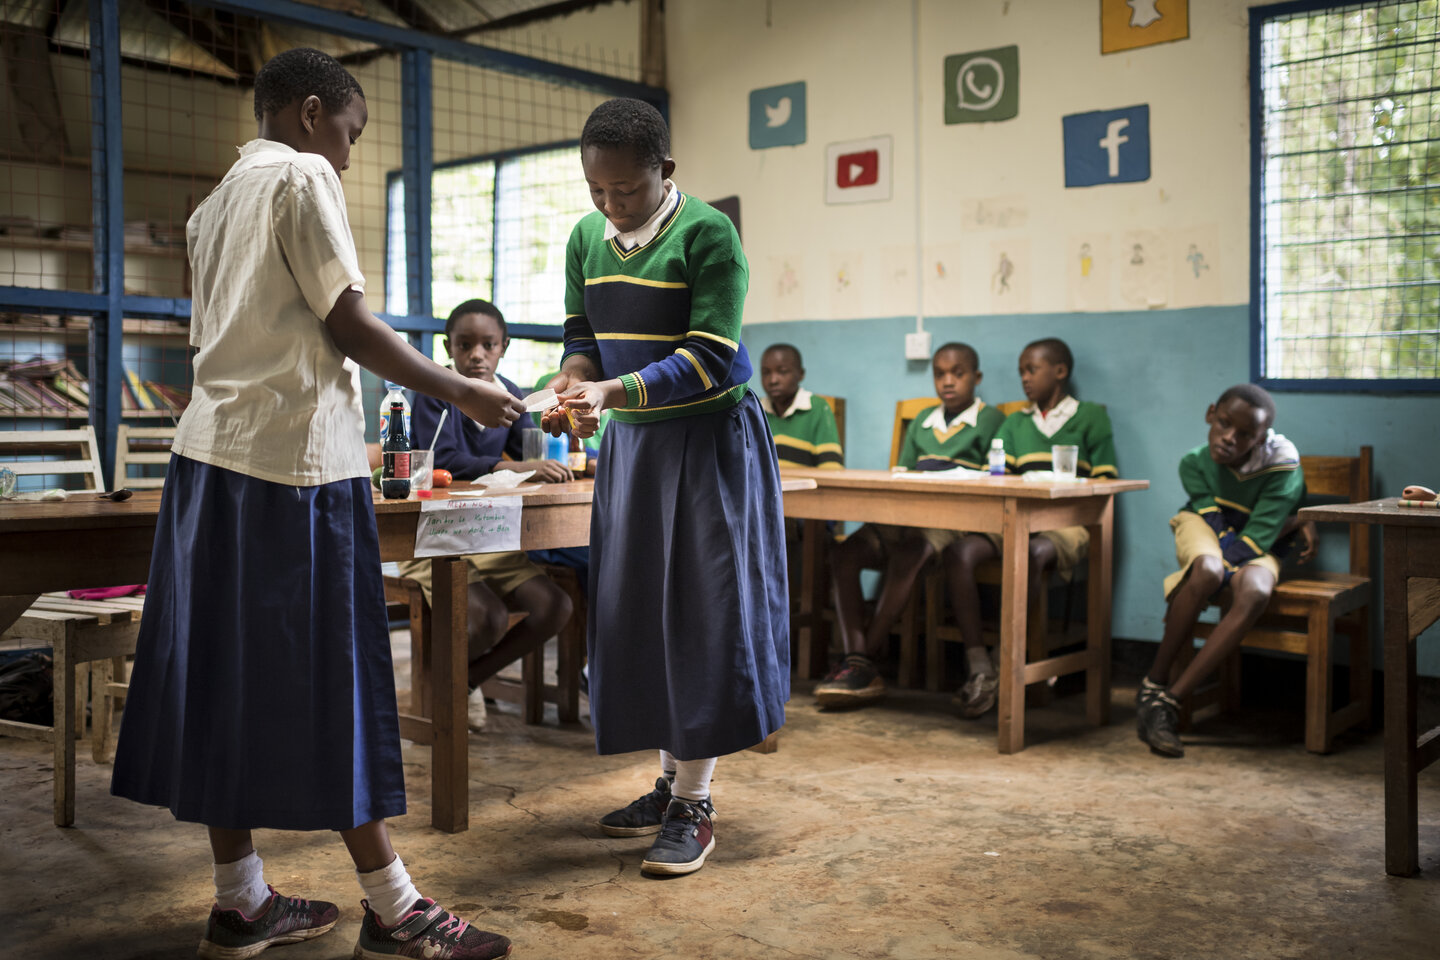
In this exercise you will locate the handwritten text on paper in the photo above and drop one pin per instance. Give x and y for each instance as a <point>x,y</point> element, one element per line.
<point>458,527</point>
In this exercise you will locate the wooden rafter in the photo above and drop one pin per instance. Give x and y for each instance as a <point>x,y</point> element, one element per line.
<point>219,37</point>
<point>414,15</point>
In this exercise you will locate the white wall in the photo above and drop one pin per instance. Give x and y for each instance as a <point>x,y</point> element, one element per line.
<point>858,63</point>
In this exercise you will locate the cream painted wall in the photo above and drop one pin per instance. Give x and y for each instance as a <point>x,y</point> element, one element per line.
<point>858,63</point>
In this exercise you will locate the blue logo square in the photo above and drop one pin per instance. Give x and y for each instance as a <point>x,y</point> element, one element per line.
<point>1107,146</point>
<point>777,116</point>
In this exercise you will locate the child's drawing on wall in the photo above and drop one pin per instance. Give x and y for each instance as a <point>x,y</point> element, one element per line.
<point>1196,260</point>
<point>1003,272</point>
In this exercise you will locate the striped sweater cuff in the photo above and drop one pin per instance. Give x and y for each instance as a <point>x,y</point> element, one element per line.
<point>635,392</point>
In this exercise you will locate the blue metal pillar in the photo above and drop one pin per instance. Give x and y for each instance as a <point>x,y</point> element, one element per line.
<point>417,162</point>
<point>107,198</point>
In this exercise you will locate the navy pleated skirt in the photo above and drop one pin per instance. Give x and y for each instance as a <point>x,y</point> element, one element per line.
<point>689,632</point>
<point>263,693</point>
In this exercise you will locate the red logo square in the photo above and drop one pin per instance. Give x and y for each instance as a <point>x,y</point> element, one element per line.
<point>857,169</point>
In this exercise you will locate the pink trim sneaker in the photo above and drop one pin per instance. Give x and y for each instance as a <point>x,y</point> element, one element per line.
<point>427,931</point>
<point>230,935</point>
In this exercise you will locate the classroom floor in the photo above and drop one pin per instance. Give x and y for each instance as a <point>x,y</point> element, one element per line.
<point>891,832</point>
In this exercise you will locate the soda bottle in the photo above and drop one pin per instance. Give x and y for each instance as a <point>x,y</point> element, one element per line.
<point>577,455</point>
<point>395,468</point>
<point>393,395</point>
<point>997,457</point>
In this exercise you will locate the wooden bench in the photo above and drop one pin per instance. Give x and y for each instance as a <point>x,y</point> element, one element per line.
<point>78,632</point>
<point>1306,611</point>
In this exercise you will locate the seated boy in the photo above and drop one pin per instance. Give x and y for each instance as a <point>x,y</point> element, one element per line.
<point>1243,488</point>
<point>804,427</point>
<point>499,583</point>
<point>1053,416</point>
<point>956,432</point>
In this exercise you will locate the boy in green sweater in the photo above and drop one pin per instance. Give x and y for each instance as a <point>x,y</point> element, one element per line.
<point>804,427</point>
<point>1053,416</point>
<point>1243,487</point>
<point>955,432</point>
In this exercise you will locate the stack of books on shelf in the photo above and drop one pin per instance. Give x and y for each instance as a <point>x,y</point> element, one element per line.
<point>43,387</point>
<point>50,387</point>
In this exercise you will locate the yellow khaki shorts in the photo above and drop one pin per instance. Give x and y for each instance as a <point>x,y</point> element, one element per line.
<point>1195,538</point>
<point>1072,544</point>
<point>887,537</point>
<point>501,572</point>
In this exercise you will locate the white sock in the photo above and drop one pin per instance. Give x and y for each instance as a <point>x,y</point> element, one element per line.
<point>667,765</point>
<point>979,659</point>
<point>241,885</point>
<point>390,892</point>
<point>692,779</point>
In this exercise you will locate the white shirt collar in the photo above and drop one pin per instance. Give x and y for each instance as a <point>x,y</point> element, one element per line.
<point>1275,448</point>
<point>936,421</point>
<point>1050,424</point>
<point>259,144</point>
<point>646,232</point>
<point>800,402</point>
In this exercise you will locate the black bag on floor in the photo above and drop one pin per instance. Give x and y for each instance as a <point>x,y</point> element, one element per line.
<point>27,688</point>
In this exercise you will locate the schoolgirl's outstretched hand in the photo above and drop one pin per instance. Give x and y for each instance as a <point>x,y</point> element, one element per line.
<point>489,404</point>
<point>584,401</point>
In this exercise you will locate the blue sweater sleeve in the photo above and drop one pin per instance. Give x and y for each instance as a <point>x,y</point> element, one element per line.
<point>466,452</point>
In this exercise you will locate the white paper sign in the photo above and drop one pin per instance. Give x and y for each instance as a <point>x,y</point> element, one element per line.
<point>452,528</point>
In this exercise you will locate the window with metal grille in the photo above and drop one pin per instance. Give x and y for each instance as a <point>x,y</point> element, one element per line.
<point>1345,271</point>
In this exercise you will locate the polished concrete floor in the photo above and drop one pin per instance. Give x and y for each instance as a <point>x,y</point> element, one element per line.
<point>895,831</point>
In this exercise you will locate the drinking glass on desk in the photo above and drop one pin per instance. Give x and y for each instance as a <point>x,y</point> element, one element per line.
<point>422,469</point>
<point>1063,460</point>
<point>532,444</point>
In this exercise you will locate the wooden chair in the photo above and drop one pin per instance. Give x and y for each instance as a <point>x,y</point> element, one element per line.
<point>78,632</point>
<point>531,691</point>
<point>1306,610</point>
<point>141,446</point>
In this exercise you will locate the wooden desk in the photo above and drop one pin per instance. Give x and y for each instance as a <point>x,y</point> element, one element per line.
<point>1010,506</point>
<point>94,543</point>
<point>1411,603</point>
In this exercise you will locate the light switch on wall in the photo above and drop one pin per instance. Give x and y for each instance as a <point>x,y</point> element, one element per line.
<point>917,345</point>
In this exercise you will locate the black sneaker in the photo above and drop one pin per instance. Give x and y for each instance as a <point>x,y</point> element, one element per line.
<point>427,931</point>
<point>853,682</point>
<point>641,817</point>
<point>230,935</point>
<point>1157,722</point>
<point>686,838</point>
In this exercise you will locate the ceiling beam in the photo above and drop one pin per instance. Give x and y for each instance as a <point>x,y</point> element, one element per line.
<point>216,35</point>
<point>415,15</point>
<point>547,12</point>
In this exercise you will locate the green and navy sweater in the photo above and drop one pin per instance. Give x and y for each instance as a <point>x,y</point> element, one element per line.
<point>663,317</point>
<point>931,443</point>
<point>806,434</point>
<point>1247,506</point>
<point>1028,435</point>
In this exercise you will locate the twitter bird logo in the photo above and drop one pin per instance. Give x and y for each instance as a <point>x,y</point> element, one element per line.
<point>777,116</point>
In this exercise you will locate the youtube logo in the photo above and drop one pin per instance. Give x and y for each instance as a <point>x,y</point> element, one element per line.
<point>860,169</point>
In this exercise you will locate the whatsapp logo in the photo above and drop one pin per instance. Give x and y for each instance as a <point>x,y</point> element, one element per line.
<point>982,86</point>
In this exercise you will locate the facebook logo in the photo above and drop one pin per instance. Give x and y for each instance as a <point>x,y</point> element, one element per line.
<point>1107,146</point>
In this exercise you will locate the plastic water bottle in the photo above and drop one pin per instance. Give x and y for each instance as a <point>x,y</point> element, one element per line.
<point>997,457</point>
<point>393,395</point>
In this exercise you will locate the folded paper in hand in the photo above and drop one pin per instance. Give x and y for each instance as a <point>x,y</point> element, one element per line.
<point>540,400</point>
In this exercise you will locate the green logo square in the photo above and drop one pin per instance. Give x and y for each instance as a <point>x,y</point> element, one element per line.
<point>982,86</point>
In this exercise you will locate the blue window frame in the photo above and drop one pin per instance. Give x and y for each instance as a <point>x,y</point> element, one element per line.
<point>1345,195</point>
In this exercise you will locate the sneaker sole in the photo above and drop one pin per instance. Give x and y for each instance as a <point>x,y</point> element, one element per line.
<point>678,869</point>
<point>610,831</point>
<point>214,951</point>
<point>975,711</point>
<point>1174,752</point>
<point>846,698</point>
<point>362,954</point>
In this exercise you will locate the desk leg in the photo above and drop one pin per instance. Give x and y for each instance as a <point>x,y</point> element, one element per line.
<point>1097,675</point>
<point>1014,609</point>
<point>814,638</point>
<point>1402,834</point>
<point>450,661</point>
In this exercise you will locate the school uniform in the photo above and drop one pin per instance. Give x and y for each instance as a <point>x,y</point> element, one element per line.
<point>263,692</point>
<point>805,433</point>
<point>689,625</point>
<point>932,442</point>
<point>1028,435</point>
<point>1236,513</point>
<point>470,451</point>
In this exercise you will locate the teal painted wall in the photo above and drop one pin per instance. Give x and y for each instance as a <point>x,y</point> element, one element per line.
<point>1156,372</point>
